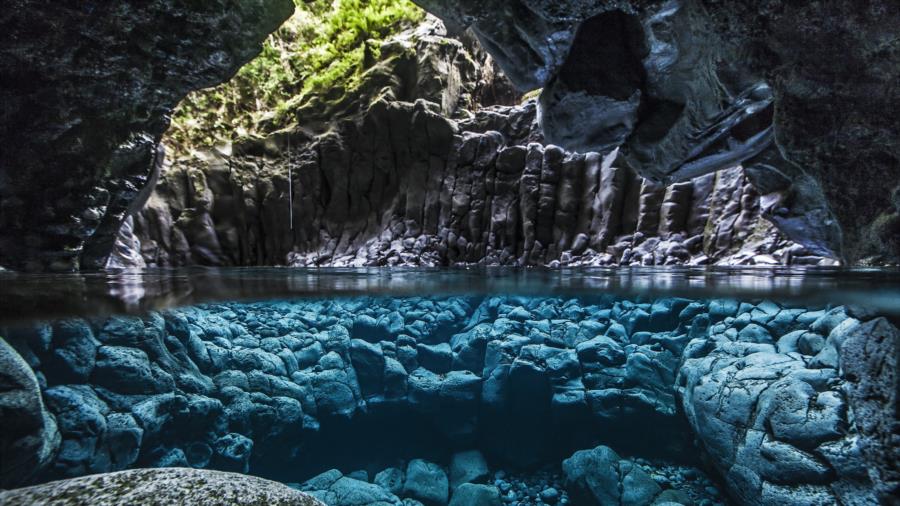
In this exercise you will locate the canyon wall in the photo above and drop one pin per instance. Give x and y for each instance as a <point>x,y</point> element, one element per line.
<point>404,185</point>
<point>417,167</point>
<point>685,87</point>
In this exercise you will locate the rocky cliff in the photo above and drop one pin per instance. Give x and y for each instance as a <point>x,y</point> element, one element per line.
<point>87,88</point>
<point>430,174</point>
<point>681,88</point>
<point>687,87</point>
<point>404,185</point>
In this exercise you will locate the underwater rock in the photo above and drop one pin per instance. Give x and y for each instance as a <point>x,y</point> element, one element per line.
<point>600,477</point>
<point>870,356</point>
<point>559,373</point>
<point>160,487</point>
<point>391,479</point>
<point>470,494</point>
<point>333,488</point>
<point>467,467</point>
<point>778,426</point>
<point>30,438</point>
<point>74,351</point>
<point>426,482</point>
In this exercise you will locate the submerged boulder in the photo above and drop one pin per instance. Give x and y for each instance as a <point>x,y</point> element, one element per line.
<point>470,494</point>
<point>426,482</point>
<point>777,425</point>
<point>29,439</point>
<point>599,477</point>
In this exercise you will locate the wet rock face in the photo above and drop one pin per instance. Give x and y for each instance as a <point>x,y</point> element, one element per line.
<point>870,356</point>
<point>249,387</point>
<point>764,389</point>
<point>689,87</point>
<point>404,185</point>
<point>30,437</point>
<point>87,89</point>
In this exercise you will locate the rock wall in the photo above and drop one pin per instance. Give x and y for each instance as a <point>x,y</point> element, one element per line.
<point>248,387</point>
<point>87,88</point>
<point>404,185</point>
<point>687,87</point>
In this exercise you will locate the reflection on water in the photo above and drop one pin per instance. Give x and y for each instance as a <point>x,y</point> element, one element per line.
<point>27,296</point>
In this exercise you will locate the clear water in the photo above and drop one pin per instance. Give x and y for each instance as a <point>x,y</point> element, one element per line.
<point>36,296</point>
<point>401,384</point>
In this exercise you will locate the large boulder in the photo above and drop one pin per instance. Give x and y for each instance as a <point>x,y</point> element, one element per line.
<point>470,494</point>
<point>777,426</point>
<point>467,467</point>
<point>29,439</point>
<point>870,358</point>
<point>335,489</point>
<point>161,487</point>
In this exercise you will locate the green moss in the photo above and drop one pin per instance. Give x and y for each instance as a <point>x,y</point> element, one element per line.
<point>323,48</point>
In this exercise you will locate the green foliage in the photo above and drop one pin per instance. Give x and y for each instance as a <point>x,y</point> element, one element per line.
<point>322,48</point>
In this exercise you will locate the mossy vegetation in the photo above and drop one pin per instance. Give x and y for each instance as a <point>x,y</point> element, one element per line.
<point>324,46</point>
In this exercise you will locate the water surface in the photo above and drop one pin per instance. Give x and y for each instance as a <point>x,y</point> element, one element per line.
<point>30,296</point>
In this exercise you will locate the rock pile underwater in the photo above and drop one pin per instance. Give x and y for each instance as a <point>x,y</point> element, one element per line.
<point>754,393</point>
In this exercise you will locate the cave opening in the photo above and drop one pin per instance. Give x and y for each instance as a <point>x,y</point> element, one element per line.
<point>605,58</point>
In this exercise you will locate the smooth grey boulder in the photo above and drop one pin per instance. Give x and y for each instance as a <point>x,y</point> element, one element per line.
<point>161,487</point>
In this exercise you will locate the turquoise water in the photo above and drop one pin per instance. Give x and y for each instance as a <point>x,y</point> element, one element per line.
<point>466,386</point>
